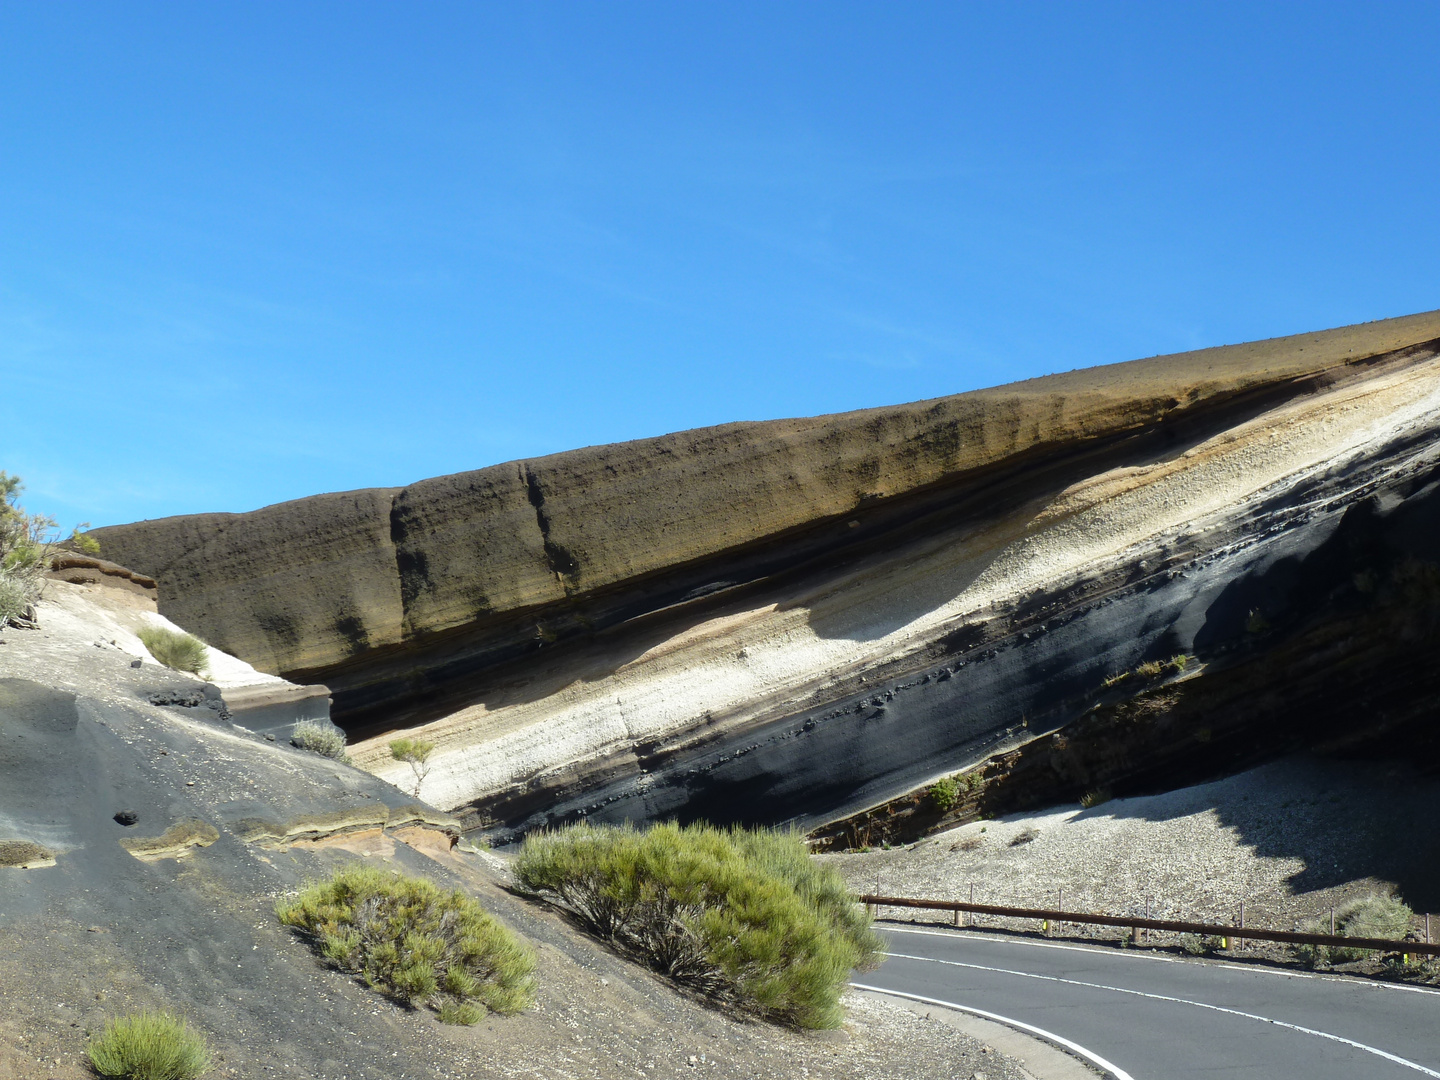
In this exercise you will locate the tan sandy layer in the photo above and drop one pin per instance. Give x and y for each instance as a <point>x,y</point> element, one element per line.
<point>305,585</point>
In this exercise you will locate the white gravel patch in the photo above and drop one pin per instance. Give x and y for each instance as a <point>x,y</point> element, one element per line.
<point>1288,839</point>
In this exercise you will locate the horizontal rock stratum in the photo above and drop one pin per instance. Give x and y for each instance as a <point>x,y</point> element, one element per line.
<point>794,619</point>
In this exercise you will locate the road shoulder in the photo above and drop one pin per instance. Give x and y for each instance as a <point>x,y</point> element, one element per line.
<point>1039,1059</point>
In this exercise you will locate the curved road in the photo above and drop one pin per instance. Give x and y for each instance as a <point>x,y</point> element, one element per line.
<point>1145,1017</point>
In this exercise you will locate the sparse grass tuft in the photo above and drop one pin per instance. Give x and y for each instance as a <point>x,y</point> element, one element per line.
<point>462,1013</point>
<point>414,942</point>
<point>1094,798</point>
<point>1150,669</point>
<point>327,740</point>
<point>1025,836</point>
<point>149,1046</point>
<point>175,649</point>
<point>743,916</point>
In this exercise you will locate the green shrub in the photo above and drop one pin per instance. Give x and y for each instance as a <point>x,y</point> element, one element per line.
<point>149,1046</point>
<point>744,916</point>
<point>17,593</point>
<point>1196,945</point>
<point>327,740</point>
<point>409,939</point>
<point>945,793</point>
<point>1372,916</point>
<point>25,544</point>
<point>175,649</point>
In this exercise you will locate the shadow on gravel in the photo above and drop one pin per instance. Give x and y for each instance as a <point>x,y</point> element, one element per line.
<point>1345,820</point>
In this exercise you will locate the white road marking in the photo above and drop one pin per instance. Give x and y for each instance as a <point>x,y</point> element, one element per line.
<point>1179,1001</point>
<point>1110,950</point>
<point>1095,1059</point>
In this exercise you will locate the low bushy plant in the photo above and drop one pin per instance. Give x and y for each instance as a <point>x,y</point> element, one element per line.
<point>175,649</point>
<point>745,916</point>
<point>1196,945</point>
<point>945,793</point>
<point>149,1046</point>
<point>1372,916</point>
<point>327,740</point>
<point>17,594</point>
<point>25,544</point>
<point>411,940</point>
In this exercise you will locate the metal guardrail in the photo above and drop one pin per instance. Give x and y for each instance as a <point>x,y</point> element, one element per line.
<point>1164,925</point>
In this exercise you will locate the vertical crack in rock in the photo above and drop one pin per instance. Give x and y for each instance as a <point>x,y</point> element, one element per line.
<point>561,562</point>
<point>412,568</point>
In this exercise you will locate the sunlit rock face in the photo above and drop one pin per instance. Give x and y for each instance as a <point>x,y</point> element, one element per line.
<point>795,620</point>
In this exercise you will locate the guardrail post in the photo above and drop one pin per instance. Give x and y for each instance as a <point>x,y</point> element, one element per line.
<point>970,915</point>
<point>1332,920</point>
<point>1241,937</point>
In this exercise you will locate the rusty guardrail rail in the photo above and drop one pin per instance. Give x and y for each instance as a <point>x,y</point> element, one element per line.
<point>1165,925</point>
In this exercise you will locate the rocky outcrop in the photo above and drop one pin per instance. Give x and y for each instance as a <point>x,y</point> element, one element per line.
<point>799,619</point>
<point>79,569</point>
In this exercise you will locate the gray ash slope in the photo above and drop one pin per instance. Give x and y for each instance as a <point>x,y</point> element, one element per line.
<point>175,909</point>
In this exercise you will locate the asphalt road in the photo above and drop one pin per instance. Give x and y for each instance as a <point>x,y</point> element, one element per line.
<point>1144,1017</point>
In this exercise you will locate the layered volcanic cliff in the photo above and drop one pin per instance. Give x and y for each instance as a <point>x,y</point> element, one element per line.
<point>805,619</point>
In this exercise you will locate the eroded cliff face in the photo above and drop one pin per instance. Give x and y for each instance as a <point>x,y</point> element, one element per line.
<point>799,619</point>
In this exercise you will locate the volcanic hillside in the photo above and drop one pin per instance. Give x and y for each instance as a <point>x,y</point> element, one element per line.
<point>1123,578</point>
<point>145,837</point>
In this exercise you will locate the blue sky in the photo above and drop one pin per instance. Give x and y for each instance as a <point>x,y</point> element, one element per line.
<point>250,252</point>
